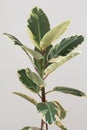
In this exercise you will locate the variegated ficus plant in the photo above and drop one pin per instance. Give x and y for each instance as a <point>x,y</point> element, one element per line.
<point>46,58</point>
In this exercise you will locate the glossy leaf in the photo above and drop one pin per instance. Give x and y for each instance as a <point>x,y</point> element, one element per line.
<point>50,111</point>
<point>67,90</point>
<point>53,34</point>
<point>35,78</point>
<point>65,46</point>
<point>38,26</point>
<point>30,128</point>
<point>28,98</point>
<point>35,54</point>
<point>25,79</point>
<point>57,62</point>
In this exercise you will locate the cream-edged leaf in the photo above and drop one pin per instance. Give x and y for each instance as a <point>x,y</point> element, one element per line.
<point>27,81</point>
<point>38,26</point>
<point>28,98</point>
<point>50,111</point>
<point>28,51</point>
<point>68,90</point>
<point>53,34</point>
<point>57,62</point>
<point>16,41</point>
<point>65,46</point>
<point>35,78</point>
<point>34,53</point>
<point>60,125</point>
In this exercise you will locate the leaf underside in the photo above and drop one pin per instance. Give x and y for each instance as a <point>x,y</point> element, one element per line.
<point>68,90</point>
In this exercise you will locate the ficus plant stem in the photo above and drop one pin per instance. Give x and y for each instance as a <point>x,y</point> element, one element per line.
<point>43,100</point>
<point>43,95</point>
<point>46,58</point>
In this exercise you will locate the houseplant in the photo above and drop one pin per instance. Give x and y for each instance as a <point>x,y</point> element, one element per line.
<point>46,58</point>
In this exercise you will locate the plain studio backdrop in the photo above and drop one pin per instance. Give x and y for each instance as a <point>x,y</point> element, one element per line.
<point>15,112</point>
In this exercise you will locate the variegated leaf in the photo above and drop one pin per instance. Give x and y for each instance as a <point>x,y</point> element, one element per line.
<point>65,46</point>
<point>28,51</point>
<point>24,78</point>
<point>38,25</point>
<point>62,110</point>
<point>50,111</point>
<point>68,90</point>
<point>35,54</point>
<point>60,125</point>
<point>35,78</point>
<point>53,34</point>
<point>28,98</point>
<point>57,62</point>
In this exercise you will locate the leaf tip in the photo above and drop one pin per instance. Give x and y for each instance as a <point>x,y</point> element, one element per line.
<point>5,34</point>
<point>85,96</point>
<point>68,22</point>
<point>79,51</point>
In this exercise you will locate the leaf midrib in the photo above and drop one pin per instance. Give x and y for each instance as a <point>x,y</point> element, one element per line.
<point>39,31</point>
<point>64,45</point>
<point>50,112</point>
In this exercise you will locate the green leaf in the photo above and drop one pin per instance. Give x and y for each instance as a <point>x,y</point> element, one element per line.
<point>28,98</point>
<point>37,65</point>
<point>24,78</point>
<point>38,26</point>
<point>65,46</point>
<point>37,62</point>
<point>30,128</point>
<point>50,111</point>
<point>28,51</point>
<point>45,60</point>
<point>57,62</point>
<point>69,91</point>
<point>35,78</point>
<point>53,34</point>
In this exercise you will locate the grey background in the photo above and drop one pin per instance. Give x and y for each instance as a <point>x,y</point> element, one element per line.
<point>16,112</point>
